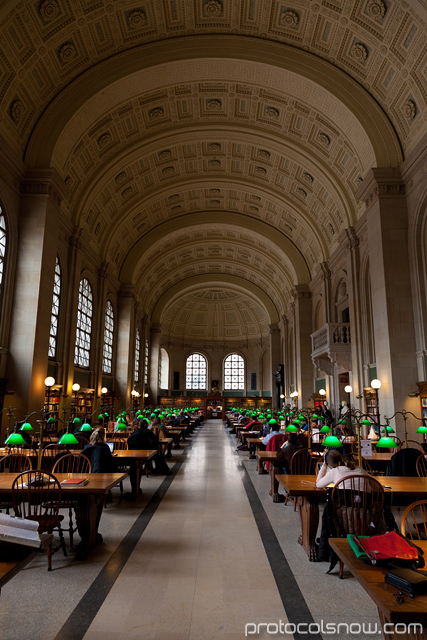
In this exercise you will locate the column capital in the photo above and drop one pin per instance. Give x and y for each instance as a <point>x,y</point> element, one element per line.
<point>156,327</point>
<point>273,328</point>
<point>127,291</point>
<point>352,239</point>
<point>45,182</point>
<point>326,272</point>
<point>301,292</point>
<point>380,182</point>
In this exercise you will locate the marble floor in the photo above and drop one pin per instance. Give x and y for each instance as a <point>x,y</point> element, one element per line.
<point>203,555</point>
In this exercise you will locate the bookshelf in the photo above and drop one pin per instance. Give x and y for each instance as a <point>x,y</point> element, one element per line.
<point>82,403</point>
<point>51,402</point>
<point>371,404</point>
<point>422,387</point>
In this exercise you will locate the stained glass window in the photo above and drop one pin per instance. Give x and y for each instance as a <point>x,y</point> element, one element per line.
<point>196,372</point>
<point>54,317</point>
<point>234,372</point>
<point>107,353</point>
<point>84,325</point>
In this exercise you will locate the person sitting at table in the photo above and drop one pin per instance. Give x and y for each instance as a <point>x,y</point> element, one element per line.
<point>335,467</point>
<point>143,438</point>
<point>286,451</point>
<point>162,433</point>
<point>99,453</point>
<point>274,429</point>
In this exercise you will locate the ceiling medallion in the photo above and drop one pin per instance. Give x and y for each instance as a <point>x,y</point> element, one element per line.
<point>120,177</point>
<point>213,105</point>
<point>168,171</point>
<point>289,19</point>
<point>359,51</point>
<point>214,146</point>
<point>164,155</point>
<point>272,112</point>
<point>214,191</point>
<point>324,139</point>
<point>137,19</point>
<point>308,177</point>
<point>16,110</point>
<point>213,9</point>
<point>49,10</point>
<point>301,192</point>
<point>376,9</point>
<point>214,163</point>
<point>104,139</point>
<point>67,52</point>
<point>263,153</point>
<point>410,109</point>
<point>261,171</point>
<point>156,113</point>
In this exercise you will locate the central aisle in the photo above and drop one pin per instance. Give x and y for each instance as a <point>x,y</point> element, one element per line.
<point>199,571</point>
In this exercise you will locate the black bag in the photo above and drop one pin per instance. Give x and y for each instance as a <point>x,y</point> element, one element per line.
<point>413,582</point>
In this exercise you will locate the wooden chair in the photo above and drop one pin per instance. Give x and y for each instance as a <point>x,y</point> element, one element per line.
<point>422,466</point>
<point>414,521</point>
<point>357,507</point>
<point>13,463</point>
<point>120,444</point>
<point>51,453</point>
<point>302,464</point>
<point>412,444</point>
<point>78,465</point>
<point>39,502</point>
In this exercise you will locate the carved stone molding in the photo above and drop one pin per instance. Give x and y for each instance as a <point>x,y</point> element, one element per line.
<point>324,364</point>
<point>156,327</point>
<point>301,292</point>
<point>103,270</point>
<point>326,272</point>
<point>41,188</point>
<point>74,239</point>
<point>353,240</point>
<point>127,291</point>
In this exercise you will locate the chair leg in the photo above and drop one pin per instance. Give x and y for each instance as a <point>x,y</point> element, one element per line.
<point>70,530</point>
<point>49,558</point>
<point>341,572</point>
<point>61,539</point>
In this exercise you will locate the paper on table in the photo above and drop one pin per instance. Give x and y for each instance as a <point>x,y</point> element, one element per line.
<point>19,531</point>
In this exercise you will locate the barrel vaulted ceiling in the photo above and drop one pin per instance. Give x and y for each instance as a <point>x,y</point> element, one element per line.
<point>213,139</point>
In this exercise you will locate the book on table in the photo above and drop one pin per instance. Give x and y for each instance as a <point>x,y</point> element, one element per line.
<point>19,531</point>
<point>74,482</point>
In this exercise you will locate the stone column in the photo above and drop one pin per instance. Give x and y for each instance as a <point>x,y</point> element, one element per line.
<point>156,334</point>
<point>303,330</point>
<point>387,223</point>
<point>125,346</point>
<point>42,192</point>
<point>275,360</point>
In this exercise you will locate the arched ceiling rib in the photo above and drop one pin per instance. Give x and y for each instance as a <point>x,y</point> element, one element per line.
<point>48,44</point>
<point>214,314</point>
<point>203,282</point>
<point>213,249</point>
<point>252,232</point>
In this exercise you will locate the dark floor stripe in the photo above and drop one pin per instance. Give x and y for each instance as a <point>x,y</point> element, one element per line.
<point>79,621</point>
<point>291,595</point>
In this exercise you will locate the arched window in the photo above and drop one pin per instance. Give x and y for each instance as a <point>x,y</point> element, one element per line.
<point>234,372</point>
<point>107,353</point>
<point>84,325</point>
<point>146,362</point>
<point>54,316</point>
<point>137,356</point>
<point>196,372</point>
<point>163,369</point>
<point>2,250</point>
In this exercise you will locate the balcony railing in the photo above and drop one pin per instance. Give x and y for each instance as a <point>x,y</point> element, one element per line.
<point>332,344</point>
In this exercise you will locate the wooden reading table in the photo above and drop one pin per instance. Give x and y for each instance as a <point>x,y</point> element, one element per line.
<point>402,490</point>
<point>90,501</point>
<point>411,610</point>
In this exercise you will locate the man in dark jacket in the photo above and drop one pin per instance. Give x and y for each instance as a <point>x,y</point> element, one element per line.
<point>285,454</point>
<point>144,438</point>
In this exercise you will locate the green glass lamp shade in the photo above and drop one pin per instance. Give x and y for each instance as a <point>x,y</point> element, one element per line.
<point>314,416</point>
<point>386,442</point>
<point>121,426</point>
<point>366,421</point>
<point>85,427</point>
<point>106,415</point>
<point>26,427</point>
<point>389,429</point>
<point>261,416</point>
<point>153,415</point>
<point>287,414</point>
<point>297,421</point>
<point>325,429</point>
<point>68,438</point>
<point>51,420</point>
<point>77,421</point>
<point>15,438</point>
<point>301,417</point>
<point>272,421</point>
<point>101,416</point>
<point>292,428</point>
<point>331,441</point>
<point>422,429</point>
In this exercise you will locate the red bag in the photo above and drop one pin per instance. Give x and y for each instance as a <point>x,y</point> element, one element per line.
<point>389,546</point>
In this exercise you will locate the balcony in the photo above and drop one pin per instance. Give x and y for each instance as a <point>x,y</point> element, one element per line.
<point>331,345</point>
